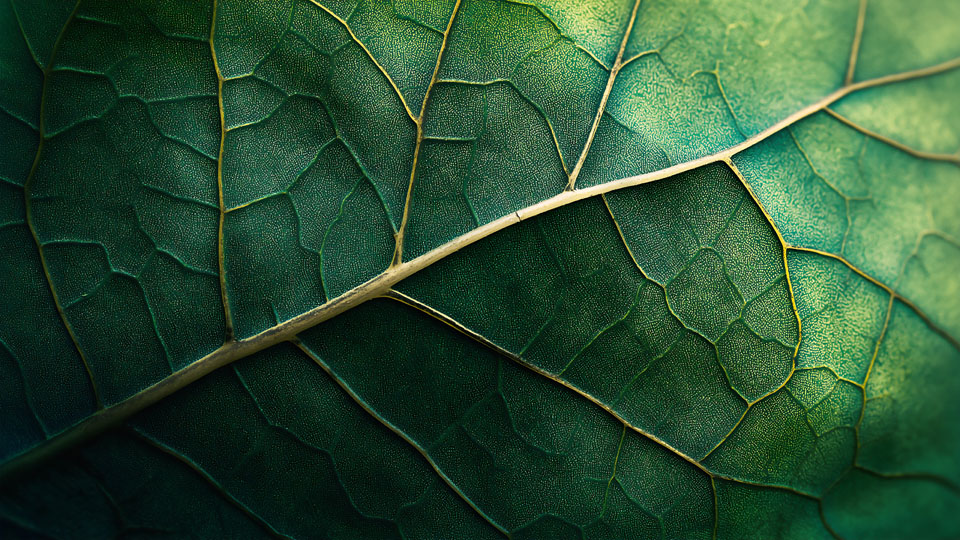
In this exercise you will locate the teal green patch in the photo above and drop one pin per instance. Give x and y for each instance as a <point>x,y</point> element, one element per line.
<point>841,314</point>
<point>775,444</point>
<point>771,513</point>
<point>878,507</point>
<point>905,431</point>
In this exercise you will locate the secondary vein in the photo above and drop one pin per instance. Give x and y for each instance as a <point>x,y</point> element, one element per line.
<point>222,275</point>
<point>398,248</point>
<point>28,204</point>
<point>614,71</point>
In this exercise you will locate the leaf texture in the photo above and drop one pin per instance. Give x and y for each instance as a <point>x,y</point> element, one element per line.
<point>480,268</point>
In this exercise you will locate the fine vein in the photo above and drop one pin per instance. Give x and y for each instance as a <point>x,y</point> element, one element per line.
<point>210,480</point>
<point>369,55</point>
<point>461,328</point>
<point>894,295</point>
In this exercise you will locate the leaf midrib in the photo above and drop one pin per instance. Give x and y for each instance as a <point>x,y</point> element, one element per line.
<point>231,351</point>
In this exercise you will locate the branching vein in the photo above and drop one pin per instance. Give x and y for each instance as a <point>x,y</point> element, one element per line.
<point>28,204</point>
<point>461,328</point>
<point>614,71</point>
<point>398,249</point>
<point>855,48</point>
<point>920,154</point>
<point>400,433</point>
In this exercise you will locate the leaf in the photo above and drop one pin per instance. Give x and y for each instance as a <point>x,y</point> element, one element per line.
<point>475,268</point>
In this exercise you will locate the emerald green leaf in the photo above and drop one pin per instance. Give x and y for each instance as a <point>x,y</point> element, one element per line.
<point>479,268</point>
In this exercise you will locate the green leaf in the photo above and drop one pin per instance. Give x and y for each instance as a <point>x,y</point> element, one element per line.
<point>480,268</point>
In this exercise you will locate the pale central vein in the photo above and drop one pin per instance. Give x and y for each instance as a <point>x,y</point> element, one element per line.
<point>114,415</point>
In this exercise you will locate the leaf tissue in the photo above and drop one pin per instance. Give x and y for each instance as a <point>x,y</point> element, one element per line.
<point>479,269</point>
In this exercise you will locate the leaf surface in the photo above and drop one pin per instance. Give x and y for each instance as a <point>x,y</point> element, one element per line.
<point>478,268</point>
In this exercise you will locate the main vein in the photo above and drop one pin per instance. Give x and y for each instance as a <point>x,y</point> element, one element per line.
<point>107,418</point>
